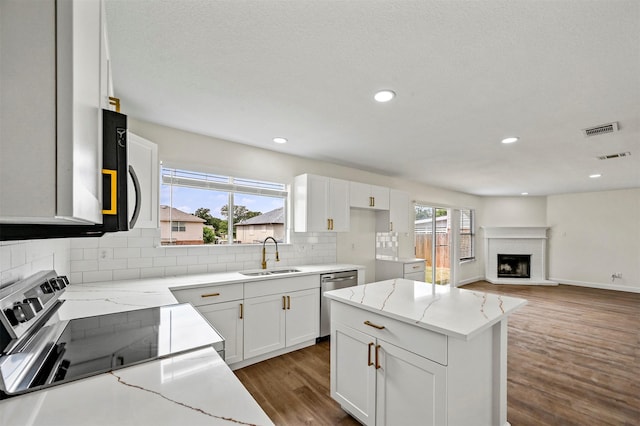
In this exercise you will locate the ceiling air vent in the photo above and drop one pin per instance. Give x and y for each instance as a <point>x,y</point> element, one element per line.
<point>610,156</point>
<point>601,129</point>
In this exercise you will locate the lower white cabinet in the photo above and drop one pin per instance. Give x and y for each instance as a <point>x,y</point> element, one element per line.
<point>410,269</point>
<point>262,318</point>
<point>227,319</point>
<point>277,321</point>
<point>381,383</point>
<point>222,306</point>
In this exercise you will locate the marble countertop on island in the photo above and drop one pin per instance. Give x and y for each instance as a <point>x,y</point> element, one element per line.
<point>452,311</point>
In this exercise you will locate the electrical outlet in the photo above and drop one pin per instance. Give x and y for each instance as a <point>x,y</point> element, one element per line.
<point>617,275</point>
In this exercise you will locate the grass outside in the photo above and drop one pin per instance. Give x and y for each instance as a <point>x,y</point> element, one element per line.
<point>442,275</point>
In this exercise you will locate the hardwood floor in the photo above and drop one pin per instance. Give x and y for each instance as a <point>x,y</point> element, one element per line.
<point>573,359</point>
<point>293,389</point>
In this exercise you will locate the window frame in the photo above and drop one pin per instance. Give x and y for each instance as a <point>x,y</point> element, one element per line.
<point>471,233</point>
<point>232,186</point>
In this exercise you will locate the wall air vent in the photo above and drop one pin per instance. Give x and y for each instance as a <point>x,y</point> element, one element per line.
<point>618,155</point>
<point>601,129</point>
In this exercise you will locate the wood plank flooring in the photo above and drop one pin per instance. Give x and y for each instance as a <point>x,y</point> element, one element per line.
<point>573,359</point>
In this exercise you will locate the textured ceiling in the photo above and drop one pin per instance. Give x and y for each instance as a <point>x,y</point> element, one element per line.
<point>466,74</point>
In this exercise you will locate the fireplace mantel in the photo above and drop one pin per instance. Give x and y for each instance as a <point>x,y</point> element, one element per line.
<point>517,240</point>
<point>515,231</point>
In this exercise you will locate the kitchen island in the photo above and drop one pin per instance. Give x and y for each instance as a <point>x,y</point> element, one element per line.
<point>409,352</point>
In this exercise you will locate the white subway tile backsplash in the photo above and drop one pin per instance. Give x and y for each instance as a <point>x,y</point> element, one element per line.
<point>84,265</point>
<point>137,254</point>
<point>126,253</point>
<point>164,261</point>
<point>140,262</point>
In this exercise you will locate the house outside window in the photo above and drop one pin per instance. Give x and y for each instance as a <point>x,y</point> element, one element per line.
<point>467,234</point>
<point>180,228</point>
<point>225,204</point>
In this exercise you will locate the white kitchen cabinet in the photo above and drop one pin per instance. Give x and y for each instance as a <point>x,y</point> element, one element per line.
<point>50,114</point>
<point>396,219</point>
<point>281,320</point>
<point>320,204</point>
<point>381,383</point>
<point>143,157</point>
<point>372,197</point>
<point>222,306</point>
<point>410,269</point>
<point>227,319</point>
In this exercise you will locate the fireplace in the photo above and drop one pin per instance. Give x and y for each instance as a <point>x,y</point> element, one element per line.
<point>514,266</point>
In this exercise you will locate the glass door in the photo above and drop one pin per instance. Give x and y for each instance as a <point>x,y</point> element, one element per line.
<point>432,240</point>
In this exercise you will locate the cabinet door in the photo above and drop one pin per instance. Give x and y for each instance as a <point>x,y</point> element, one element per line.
<point>143,157</point>
<point>339,209</point>
<point>411,389</point>
<point>227,319</point>
<point>303,316</point>
<point>398,211</point>
<point>264,320</point>
<point>360,195</point>
<point>353,373</point>
<point>50,117</point>
<point>380,195</point>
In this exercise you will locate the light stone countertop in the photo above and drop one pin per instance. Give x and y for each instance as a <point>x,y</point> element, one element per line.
<point>192,388</point>
<point>455,312</point>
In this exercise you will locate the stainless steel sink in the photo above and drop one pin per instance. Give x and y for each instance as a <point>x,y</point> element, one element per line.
<point>269,272</point>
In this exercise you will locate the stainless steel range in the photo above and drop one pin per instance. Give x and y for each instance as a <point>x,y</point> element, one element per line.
<point>38,349</point>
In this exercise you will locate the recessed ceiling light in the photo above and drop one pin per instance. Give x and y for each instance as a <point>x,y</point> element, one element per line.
<point>384,95</point>
<point>595,175</point>
<point>524,193</point>
<point>510,140</point>
<point>280,140</point>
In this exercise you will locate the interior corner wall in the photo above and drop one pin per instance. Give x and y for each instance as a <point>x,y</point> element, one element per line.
<point>594,235</point>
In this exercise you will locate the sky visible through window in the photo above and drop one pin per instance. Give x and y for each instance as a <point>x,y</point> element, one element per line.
<point>189,200</point>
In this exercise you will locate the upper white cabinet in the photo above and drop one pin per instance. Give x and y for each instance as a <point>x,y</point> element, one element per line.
<point>320,204</point>
<point>396,219</point>
<point>143,159</point>
<point>363,195</point>
<point>50,114</point>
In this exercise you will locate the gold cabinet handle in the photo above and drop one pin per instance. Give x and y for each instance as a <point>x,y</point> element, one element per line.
<point>369,363</point>
<point>241,311</point>
<point>115,102</point>
<point>371,202</point>
<point>370,324</point>
<point>210,295</point>
<point>416,266</point>
<point>329,224</point>
<point>377,357</point>
<point>284,302</point>
<point>391,226</point>
<point>288,302</point>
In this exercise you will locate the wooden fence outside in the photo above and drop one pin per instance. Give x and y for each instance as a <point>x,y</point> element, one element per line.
<point>423,249</point>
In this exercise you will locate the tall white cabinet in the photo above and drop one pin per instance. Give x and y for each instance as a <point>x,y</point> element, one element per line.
<point>52,93</point>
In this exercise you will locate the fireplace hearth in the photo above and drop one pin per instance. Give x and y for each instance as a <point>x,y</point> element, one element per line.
<point>514,266</point>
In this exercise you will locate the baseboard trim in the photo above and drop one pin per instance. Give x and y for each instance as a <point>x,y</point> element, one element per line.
<point>603,286</point>
<point>264,357</point>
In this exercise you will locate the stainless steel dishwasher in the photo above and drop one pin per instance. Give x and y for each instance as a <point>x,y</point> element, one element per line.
<point>329,282</point>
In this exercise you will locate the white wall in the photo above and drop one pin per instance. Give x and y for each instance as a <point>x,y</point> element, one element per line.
<point>594,235</point>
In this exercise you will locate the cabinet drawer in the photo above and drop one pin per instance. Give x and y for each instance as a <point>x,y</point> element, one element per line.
<point>413,267</point>
<point>280,285</point>
<point>210,294</point>
<point>422,342</point>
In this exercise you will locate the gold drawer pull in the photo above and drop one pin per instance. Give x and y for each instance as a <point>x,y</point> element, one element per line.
<point>370,324</point>
<point>378,357</point>
<point>369,363</point>
<point>416,267</point>
<point>210,295</point>
<point>284,303</point>
<point>241,311</point>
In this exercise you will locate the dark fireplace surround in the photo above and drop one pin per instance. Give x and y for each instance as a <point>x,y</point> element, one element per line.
<point>514,266</point>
